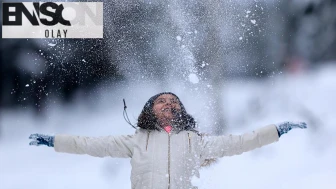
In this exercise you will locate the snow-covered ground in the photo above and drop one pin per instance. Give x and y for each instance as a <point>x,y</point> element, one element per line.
<point>301,158</point>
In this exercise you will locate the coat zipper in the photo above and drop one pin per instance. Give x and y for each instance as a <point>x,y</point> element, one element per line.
<point>168,160</point>
<point>189,142</point>
<point>147,140</point>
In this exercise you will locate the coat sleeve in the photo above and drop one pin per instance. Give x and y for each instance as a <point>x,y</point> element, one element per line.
<point>220,146</point>
<point>114,146</point>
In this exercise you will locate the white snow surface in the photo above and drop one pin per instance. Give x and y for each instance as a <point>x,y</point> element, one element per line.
<point>301,158</point>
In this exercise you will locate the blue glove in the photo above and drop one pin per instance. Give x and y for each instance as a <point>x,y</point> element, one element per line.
<point>287,126</point>
<point>39,139</point>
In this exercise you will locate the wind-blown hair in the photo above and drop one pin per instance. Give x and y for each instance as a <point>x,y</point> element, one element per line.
<point>147,119</point>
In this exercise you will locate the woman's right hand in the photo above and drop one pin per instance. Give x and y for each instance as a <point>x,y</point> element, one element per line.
<point>40,139</point>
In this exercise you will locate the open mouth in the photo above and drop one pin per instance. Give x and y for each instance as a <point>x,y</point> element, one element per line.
<point>167,109</point>
<point>170,110</point>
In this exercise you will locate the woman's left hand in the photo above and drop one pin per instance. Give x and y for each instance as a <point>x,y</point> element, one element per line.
<point>284,127</point>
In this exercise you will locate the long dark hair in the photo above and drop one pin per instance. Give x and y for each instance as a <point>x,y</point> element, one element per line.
<point>147,120</point>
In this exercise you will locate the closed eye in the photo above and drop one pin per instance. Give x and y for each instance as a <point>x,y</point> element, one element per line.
<point>160,100</point>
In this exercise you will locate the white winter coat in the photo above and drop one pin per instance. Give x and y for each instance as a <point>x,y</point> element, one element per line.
<point>165,161</point>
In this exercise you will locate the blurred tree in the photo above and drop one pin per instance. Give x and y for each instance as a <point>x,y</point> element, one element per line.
<point>309,34</point>
<point>30,72</point>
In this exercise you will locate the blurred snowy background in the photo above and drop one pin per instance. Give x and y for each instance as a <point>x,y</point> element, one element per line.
<point>236,65</point>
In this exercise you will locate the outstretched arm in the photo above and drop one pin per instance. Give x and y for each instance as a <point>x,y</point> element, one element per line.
<point>219,146</point>
<point>114,146</point>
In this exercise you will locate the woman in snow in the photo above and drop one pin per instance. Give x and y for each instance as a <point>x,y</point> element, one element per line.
<point>166,150</point>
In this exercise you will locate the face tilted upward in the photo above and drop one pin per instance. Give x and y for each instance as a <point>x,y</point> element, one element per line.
<point>165,107</point>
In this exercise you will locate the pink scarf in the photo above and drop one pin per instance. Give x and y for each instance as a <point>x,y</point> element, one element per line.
<point>168,128</point>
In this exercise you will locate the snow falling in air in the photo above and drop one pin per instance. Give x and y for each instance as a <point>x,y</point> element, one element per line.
<point>51,44</point>
<point>178,40</point>
<point>193,78</point>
